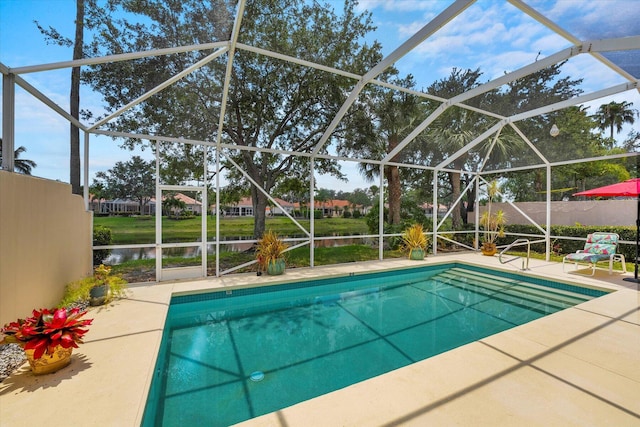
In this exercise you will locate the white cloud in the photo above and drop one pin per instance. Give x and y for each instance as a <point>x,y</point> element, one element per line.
<point>407,30</point>
<point>593,19</point>
<point>549,44</point>
<point>401,5</point>
<point>32,115</point>
<point>444,46</point>
<point>497,37</point>
<point>526,35</point>
<point>595,75</point>
<point>496,65</point>
<point>478,34</point>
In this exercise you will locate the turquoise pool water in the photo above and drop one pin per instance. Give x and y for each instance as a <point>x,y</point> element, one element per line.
<point>230,356</point>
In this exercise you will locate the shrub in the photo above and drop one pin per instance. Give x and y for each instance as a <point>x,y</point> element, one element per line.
<point>101,237</point>
<point>627,233</point>
<point>77,292</point>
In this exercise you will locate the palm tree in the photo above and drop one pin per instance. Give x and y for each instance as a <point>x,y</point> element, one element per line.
<point>173,205</point>
<point>385,117</point>
<point>23,166</point>
<point>54,37</point>
<point>97,192</point>
<point>615,115</point>
<point>454,130</point>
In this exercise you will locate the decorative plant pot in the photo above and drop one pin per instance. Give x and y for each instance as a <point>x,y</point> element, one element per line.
<point>416,254</point>
<point>276,267</point>
<point>489,249</point>
<point>98,295</point>
<point>49,363</point>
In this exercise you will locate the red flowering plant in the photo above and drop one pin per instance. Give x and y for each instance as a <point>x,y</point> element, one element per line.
<point>47,329</point>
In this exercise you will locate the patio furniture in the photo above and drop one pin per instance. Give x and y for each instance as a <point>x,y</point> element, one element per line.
<point>599,247</point>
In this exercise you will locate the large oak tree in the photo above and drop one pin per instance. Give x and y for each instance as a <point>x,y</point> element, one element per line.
<point>272,104</point>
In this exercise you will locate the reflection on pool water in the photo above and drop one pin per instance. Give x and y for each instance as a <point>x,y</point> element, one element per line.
<point>226,357</point>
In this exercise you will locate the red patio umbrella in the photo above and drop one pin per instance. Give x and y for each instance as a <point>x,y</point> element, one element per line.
<point>628,188</point>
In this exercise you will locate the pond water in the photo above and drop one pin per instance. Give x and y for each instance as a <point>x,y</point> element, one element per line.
<point>118,256</point>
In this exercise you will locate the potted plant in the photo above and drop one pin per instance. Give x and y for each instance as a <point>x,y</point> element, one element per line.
<point>104,286</point>
<point>492,222</point>
<point>269,253</point>
<point>415,242</point>
<point>48,337</point>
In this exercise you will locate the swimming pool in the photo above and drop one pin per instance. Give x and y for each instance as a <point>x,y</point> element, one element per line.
<point>231,356</point>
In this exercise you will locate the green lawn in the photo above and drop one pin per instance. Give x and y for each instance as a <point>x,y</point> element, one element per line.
<point>138,230</point>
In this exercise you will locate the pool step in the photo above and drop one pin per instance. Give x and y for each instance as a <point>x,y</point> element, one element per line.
<point>518,287</point>
<point>532,287</point>
<point>514,296</point>
<point>510,288</point>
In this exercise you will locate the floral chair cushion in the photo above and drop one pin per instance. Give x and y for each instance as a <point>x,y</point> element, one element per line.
<point>599,247</point>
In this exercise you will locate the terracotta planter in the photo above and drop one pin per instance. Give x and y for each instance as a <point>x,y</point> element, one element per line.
<point>489,249</point>
<point>416,254</point>
<point>276,267</point>
<point>49,363</point>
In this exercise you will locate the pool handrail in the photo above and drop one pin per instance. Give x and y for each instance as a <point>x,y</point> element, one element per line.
<point>517,242</point>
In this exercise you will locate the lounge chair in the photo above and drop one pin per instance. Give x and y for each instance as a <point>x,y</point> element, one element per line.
<point>599,247</point>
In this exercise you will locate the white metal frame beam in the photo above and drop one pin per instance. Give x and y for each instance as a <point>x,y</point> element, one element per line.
<point>529,143</point>
<point>484,135</point>
<point>562,32</point>
<point>425,32</point>
<point>223,108</point>
<point>561,163</point>
<point>48,102</point>
<point>160,87</point>
<point>115,58</point>
<point>507,78</point>
<point>574,101</point>
<point>263,191</point>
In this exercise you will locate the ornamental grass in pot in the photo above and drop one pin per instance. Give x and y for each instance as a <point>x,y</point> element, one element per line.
<point>270,254</point>
<point>415,242</point>
<point>492,223</point>
<point>48,337</point>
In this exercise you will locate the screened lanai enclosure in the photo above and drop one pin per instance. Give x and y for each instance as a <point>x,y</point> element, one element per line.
<point>425,101</point>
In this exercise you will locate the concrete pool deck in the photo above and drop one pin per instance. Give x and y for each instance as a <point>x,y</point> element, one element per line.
<point>578,367</point>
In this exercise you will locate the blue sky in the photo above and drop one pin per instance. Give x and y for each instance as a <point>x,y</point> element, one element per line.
<point>492,35</point>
